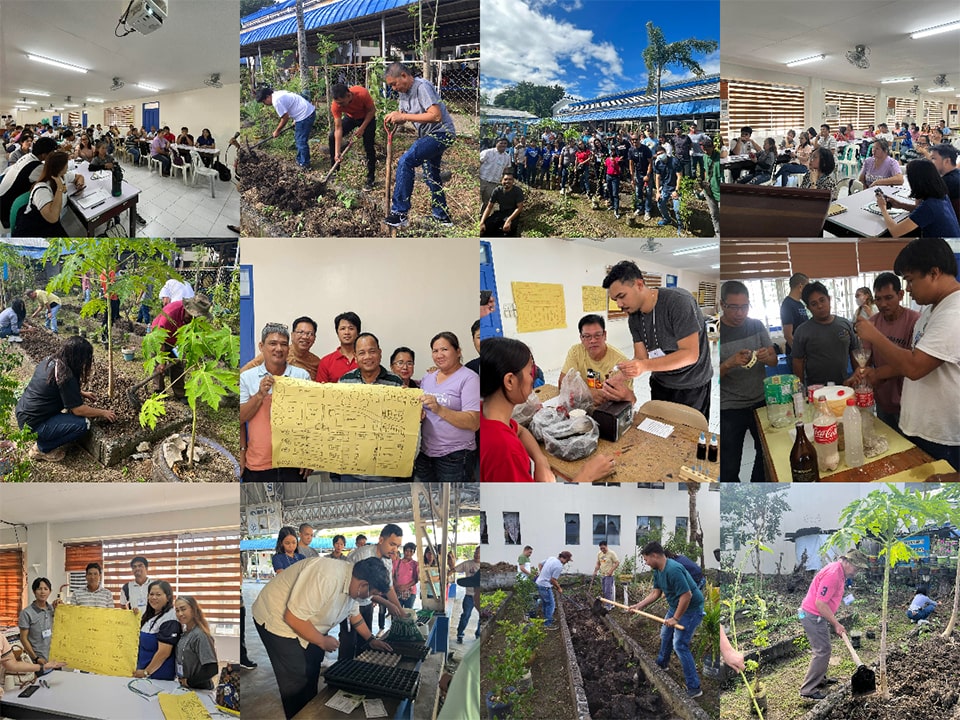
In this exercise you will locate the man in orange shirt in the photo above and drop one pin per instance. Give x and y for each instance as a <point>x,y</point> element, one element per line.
<point>352,108</point>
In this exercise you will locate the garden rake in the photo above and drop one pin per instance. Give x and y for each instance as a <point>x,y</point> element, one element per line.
<point>864,680</point>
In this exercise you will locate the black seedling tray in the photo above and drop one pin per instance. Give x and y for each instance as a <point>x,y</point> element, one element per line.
<point>417,651</point>
<point>366,678</point>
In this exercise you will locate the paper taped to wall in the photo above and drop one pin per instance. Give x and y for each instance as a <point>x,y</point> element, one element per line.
<point>540,306</point>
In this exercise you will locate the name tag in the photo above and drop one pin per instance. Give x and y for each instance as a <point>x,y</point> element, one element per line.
<point>656,353</point>
<point>47,633</point>
<point>179,669</point>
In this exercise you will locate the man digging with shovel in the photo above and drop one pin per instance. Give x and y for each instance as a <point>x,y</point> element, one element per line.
<point>353,109</point>
<point>818,613</point>
<point>685,603</point>
<point>173,317</point>
<point>290,106</point>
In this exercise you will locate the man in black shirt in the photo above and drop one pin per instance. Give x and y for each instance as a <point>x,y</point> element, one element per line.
<point>641,162</point>
<point>509,201</point>
<point>793,312</point>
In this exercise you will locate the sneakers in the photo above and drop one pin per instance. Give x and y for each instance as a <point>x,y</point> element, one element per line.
<point>460,640</point>
<point>247,664</point>
<point>828,681</point>
<point>56,455</point>
<point>368,186</point>
<point>397,220</point>
<point>551,627</point>
<point>616,214</point>
<point>814,696</point>
<point>14,338</point>
<point>694,693</point>
<point>636,213</point>
<point>443,220</point>
<point>140,220</point>
<point>646,216</point>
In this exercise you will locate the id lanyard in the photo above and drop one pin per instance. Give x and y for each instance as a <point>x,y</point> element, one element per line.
<point>643,327</point>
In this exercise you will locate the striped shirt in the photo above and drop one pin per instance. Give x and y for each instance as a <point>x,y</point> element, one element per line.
<point>101,597</point>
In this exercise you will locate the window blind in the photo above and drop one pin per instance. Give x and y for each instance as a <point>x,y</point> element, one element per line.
<point>76,556</point>
<point>121,116</point>
<point>753,259</point>
<point>878,255</point>
<point>824,260</point>
<point>11,586</point>
<point>769,109</point>
<point>856,108</point>
<point>903,108</point>
<point>933,111</point>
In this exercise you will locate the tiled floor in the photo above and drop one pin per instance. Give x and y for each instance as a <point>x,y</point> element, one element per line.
<point>173,209</point>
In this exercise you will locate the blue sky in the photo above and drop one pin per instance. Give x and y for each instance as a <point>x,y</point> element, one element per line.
<point>591,47</point>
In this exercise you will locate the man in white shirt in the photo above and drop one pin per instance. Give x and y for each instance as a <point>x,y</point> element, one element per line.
<point>297,608</point>
<point>134,593</point>
<point>547,582</point>
<point>174,290</point>
<point>826,140</point>
<point>929,412</point>
<point>385,549</point>
<point>290,106</point>
<point>493,161</point>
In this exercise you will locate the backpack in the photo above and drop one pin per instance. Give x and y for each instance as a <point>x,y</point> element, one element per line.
<point>228,690</point>
<point>223,170</point>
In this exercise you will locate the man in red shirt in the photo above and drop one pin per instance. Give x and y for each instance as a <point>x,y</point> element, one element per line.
<point>344,358</point>
<point>818,613</point>
<point>173,317</point>
<point>352,108</point>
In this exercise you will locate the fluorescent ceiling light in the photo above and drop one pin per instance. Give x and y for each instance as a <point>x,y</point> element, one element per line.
<point>697,249</point>
<point>946,89</point>
<point>56,63</point>
<point>71,105</point>
<point>715,266</point>
<point>94,99</point>
<point>804,61</point>
<point>41,93</point>
<point>28,102</point>
<point>148,87</point>
<point>897,80</point>
<point>936,30</point>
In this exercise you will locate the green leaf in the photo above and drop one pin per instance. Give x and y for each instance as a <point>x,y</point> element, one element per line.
<point>153,408</point>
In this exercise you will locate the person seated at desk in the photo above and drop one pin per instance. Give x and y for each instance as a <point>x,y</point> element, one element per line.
<point>743,145</point>
<point>10,664</point>
<point>933,214</point>
<point>132,143</point>
<point>508,198</point>
<point>159,633</point>
<point>85,149</point>
<point>821,348</point>
<point>802,157</point>
<point>944,158</point>
<point>196,652</point>
<point>40,217</point>
<point>825,139</point>
<point>102,160</point>
<point>24,144</point>
<point>67,141</point>
<point>880,168</point>
<point>820,174</point>
<point>508,451</point>
<point>207,142</point>
<point>596,362</point>
<point>160,151</point>
<point>790,141</point>
<point>184,138</point>
<point>765,161</point>
<point>884,133</point>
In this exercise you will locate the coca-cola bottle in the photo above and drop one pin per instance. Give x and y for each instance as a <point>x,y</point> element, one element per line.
<point>825,438</point>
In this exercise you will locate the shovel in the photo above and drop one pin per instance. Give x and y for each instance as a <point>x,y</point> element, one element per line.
<point>864,680</point>
<point>132,396</point>
<point>335,166</point>
<point>388,190</point>
<point>251,148</point>
<point>599,610</point>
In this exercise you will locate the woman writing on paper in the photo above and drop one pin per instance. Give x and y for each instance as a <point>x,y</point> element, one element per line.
<point>159,633</point>
<point>196,652</point>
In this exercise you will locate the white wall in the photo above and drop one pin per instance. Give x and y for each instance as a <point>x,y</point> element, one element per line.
<point>542,509</point>
<point>405,290</point>
<point>216,109</point>
<point>572,265</point>
<point>814,87</point>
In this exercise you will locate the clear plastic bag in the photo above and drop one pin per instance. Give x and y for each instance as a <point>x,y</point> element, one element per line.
<point>524,412</point>
<point>574,392</point>
<point>543,418</point>
<point>571,439</point>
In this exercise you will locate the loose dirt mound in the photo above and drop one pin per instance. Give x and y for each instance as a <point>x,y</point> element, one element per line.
<point>922,684</point>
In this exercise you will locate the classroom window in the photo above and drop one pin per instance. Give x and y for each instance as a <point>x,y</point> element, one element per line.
<point>647,527</point>
<point>205,565</point>
<point>571,524</point>
<point>484,537</point>
<point>511,528</point>
<point>11,586</point>
<point>681,526</point>
<point>770,109</point>
<point>606,528</point>
<point>651,485</point>
<point>855,108</point>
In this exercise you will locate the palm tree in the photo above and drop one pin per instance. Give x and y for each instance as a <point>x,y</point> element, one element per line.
<point>659,54</point>
<point>302,49</point>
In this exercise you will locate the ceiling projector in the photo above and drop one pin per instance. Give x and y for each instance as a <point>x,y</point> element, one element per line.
<point>145,16</point>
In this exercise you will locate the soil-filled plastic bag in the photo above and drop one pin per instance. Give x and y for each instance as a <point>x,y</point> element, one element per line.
<point>574,392</point>
<point>543,418</point>
<point>571,439</point>
<point>524,412</point>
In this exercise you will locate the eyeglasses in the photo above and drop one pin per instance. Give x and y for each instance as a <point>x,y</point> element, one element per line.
<point>403,363</point>
<point>305,333</point>
<point>737,308</point>
<point>595,336</point>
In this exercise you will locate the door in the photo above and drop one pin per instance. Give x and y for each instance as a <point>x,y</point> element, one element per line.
<point>151,115</point>
<point>491,325</point>
<point>248,335</point>
<point>84,119</point>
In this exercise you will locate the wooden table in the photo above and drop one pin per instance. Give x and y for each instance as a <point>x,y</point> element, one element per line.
<point>902,462</point>
<point>94,217</point>
<point>861,222</point>
<point>638,456</point>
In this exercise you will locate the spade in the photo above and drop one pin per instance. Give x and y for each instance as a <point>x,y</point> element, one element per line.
<point>864,680</point>
<point>251,148</point>
<point>335,166</point>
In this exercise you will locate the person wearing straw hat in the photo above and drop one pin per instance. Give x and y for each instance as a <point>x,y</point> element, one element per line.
<point>173,317</point>
<point>818,613</point>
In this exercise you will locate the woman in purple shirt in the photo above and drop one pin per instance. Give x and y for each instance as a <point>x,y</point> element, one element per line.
<point>881,169</point>
<point>451,402</point>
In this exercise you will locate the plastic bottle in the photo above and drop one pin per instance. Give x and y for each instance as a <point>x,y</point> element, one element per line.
<point>867,407</point>
<point>825,437</point>
<point>701,451</point>
<point>713,452</point>
<point>852,434</point>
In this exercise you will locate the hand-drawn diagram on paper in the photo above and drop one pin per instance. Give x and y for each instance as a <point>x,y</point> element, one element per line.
<point>540,306</point>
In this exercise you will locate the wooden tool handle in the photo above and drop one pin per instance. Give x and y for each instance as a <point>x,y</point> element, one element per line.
<point>853,652</point>
<point>641,612</point>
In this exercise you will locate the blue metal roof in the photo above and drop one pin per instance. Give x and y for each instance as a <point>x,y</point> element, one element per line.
<point>332,14</point>
<point>693,107</point>
<point>257,14</point>
<point>642,92</point>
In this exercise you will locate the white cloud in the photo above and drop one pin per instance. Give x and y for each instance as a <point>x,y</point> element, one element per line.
<point>520,43</point>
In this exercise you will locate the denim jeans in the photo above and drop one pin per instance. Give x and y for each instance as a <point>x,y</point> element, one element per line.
<point>565,176</point>
<point>696,161</point>
<point>425,151</point>
<point>668,206</point>
<point>734,425</point>
<point>455,467</point>
<point>5,332</point>
<point>549,605</point>
<point>922,613</point>
<point>613,191</point>
<point>679,641</point>
<point>301,136</point>
<point>642,196</point>
<point>408,602</point>
<point>143,314</point>
<point>51,322</point>
<point>465,615</point>
<point>164,161</point>
<point>59,430</point>
<point>788,169</point>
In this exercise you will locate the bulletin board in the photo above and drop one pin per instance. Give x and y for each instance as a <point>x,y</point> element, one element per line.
<point>95,639</point>
<point>540,306</point>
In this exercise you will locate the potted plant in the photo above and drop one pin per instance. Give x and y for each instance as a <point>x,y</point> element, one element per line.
<point>510,668</point>
<point>707,639</point>
<point>125,349</point>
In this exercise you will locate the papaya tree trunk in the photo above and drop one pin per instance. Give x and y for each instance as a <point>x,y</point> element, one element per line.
<point>109,349</point>
<point>193,441</point>
<point>883,621</point>
<point>956,601</point>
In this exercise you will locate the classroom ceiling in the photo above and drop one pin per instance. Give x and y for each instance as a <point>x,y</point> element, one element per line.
<point>661,250</point>
<point>31,503</point>
<point>198,38</point>
<point>769,33</point>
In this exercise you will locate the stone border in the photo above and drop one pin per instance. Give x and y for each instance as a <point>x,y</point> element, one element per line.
<point>579,695</point>
<point>113,451</point>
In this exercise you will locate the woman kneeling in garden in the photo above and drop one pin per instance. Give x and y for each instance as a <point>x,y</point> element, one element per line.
<point>53,403</point>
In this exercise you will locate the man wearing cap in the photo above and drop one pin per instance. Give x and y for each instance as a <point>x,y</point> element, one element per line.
<point>173,317</point>
<point>291,106</point>
<point>818,613</point>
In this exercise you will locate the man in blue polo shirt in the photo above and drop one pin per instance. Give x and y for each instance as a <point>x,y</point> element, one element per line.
<point>685,602</point>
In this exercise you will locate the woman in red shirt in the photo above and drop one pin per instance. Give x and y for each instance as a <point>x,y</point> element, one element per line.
<point>508,452</point>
